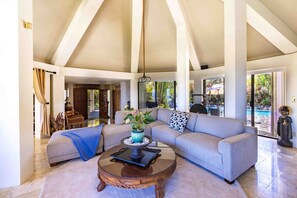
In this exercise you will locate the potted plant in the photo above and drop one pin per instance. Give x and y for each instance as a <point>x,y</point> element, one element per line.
<point>138,120</point>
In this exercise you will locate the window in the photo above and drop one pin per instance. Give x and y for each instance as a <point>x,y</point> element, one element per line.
<point>157,94</point>
<point>214,92</point>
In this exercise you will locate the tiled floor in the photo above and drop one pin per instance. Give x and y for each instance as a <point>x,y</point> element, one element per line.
<point>275,174</point>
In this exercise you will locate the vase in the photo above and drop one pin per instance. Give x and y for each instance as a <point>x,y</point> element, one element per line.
<point>137,136</point>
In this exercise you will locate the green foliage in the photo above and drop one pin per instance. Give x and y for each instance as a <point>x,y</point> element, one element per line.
<point>163,100</point>
<point>139,120</point>
<point>263,90</point>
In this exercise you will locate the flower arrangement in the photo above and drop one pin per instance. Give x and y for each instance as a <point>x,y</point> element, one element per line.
<point>139,120</point>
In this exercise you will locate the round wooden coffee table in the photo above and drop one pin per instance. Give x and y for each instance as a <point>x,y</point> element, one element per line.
<point>120,174</point>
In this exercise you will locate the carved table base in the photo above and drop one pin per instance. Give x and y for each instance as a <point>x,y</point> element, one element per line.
<point>101,185</point>
<point>128,176</point>
<point>142,182</point>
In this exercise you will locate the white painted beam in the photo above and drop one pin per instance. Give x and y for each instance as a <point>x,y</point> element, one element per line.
<point>182,69</point>
<point>235,58</point>
<point>271,27</point>
<point>78,26</point>
<point>79,72</point>
<point>137,6</point>
<point>45,66</point>
<point>180,18</point>
<point>182,52</point>
<point>91,73</point>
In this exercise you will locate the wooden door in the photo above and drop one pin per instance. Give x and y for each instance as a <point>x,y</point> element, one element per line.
<point>103,104</point>
<point>116,101</point>
<point>80,101</point>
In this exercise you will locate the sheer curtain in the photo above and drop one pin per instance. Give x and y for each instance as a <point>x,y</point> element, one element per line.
<point>39,88</point>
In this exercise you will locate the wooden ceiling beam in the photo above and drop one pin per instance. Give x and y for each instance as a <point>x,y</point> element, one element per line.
<point>77,28</point>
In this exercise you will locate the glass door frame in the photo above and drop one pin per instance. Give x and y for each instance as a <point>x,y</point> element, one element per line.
<point>273,90</point>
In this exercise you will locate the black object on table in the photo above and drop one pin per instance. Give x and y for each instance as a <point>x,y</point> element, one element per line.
<point>124,155</point>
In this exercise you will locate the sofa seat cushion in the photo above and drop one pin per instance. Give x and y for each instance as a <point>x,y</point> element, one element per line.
<point>165,134</point>
<point>60,148</point>
<point>201,146</point>
<point>218,126</point>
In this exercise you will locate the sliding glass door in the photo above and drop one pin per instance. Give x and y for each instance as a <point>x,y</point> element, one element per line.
<point>264,97</point>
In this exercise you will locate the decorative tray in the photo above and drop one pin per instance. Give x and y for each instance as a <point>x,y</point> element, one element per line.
<point>149,155</point>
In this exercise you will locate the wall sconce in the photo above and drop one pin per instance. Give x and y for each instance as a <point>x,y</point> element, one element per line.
<point>27,25</point>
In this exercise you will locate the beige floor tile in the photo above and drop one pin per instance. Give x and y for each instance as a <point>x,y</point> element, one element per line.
<point>274,174</point>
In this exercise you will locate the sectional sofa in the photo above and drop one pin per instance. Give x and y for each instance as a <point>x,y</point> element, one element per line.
<point>224,146</point>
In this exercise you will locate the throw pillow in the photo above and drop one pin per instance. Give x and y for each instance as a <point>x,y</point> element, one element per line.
<point>178,120</point>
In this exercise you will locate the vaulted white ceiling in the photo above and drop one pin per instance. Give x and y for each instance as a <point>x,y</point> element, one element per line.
<point>106,43</point>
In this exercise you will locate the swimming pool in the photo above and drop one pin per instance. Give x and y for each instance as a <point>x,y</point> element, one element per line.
<point>259,112</point>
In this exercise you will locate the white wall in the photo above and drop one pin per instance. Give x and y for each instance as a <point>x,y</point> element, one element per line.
<point>134,93</point>
<point>124,94</point>
<point>16,103</point>
<point>70,97</point>
<point>58,94</point>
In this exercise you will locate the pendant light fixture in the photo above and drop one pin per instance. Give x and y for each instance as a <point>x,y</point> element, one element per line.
<point>144,78</point>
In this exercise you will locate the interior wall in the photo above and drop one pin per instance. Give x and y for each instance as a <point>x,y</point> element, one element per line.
<point>69,86</point>
<point>16,103</point>
<point>58,94</point>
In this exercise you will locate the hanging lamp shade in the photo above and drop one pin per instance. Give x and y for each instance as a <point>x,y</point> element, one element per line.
<point>144,78</point>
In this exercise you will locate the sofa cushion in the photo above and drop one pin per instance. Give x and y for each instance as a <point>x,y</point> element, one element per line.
<point>119,117</point>
<point>165,134</point>
<point>113,134</point>
<point>191,121</point>
<point>156,123</point>
<point>164,114</point>
<point>201,146</point>
<point>178,120</point>
<point>218,126</point>
<point>154,112</point>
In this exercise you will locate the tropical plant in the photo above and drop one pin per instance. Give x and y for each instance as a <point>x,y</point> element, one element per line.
<point>139,120</point>
<point>263,90</point>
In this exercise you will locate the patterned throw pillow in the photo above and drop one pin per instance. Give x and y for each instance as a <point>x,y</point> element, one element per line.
<point>178,120</point>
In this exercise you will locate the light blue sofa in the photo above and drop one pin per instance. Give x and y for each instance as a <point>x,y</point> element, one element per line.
<point>222,145</point>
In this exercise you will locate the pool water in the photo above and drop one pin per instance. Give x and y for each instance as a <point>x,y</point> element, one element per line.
<point>259,112</point>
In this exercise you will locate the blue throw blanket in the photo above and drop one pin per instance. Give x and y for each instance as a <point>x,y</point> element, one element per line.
<point>85,140</point>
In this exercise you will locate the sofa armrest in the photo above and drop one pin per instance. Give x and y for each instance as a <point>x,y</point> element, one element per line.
<point>239,152</point>
<point>250,129</point>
